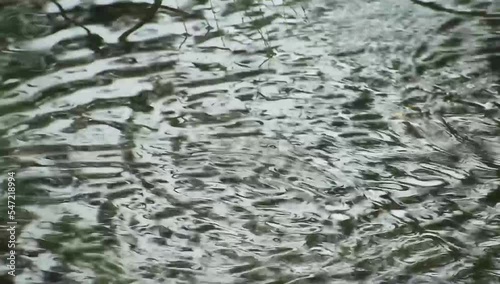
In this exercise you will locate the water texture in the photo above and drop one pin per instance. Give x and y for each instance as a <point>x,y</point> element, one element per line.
<point>244,141</point>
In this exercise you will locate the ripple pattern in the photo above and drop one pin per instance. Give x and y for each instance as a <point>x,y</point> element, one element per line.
<point>305,141</point>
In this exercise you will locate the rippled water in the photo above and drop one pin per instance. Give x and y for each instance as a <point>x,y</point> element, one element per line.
<point>305,141</point>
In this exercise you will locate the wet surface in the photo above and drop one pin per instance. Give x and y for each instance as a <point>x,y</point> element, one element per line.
<point>303,141</point>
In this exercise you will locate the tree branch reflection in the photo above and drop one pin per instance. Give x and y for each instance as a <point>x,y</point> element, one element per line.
<point>95,41</point>
<point>148,17</point>
<point>440,8</point>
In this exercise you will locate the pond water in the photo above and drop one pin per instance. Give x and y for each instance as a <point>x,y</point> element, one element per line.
<point>280,141</point>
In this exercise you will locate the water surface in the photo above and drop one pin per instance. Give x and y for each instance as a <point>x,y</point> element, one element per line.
<point>305,141</point>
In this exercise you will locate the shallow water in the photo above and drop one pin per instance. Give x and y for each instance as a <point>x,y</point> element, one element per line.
<point>305,141</point>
